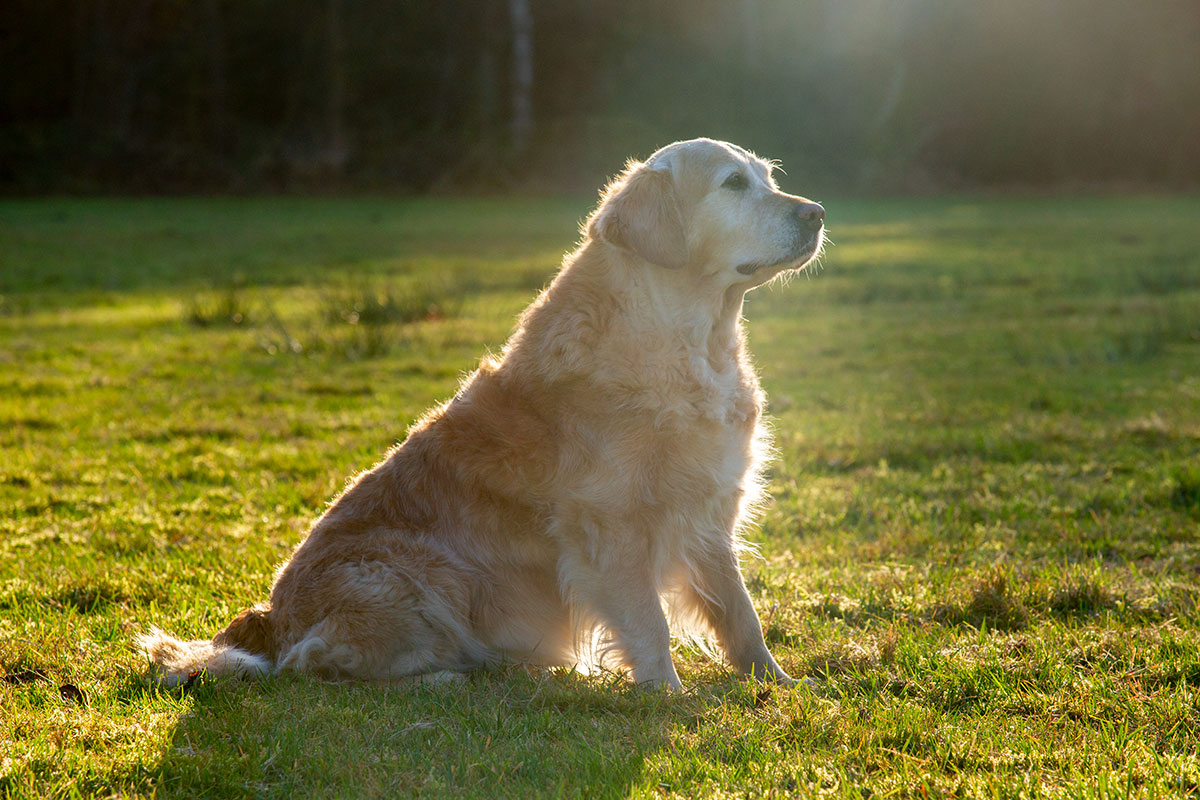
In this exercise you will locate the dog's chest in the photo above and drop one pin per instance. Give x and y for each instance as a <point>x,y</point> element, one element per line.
<point>726,394</point>
<point>689,443</point>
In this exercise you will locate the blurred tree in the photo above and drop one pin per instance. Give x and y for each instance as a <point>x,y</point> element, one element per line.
<point>467,94</point>
<point>219,130</point>
<point>521,17</point>
<point>335,124</point>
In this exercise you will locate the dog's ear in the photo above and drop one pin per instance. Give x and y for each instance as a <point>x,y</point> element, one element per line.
<point>641,214</point>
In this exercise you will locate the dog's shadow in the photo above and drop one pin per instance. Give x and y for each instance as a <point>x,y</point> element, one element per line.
<point>498,733</point>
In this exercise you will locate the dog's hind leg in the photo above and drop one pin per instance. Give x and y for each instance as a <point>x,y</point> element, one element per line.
<point>395,615</point>
<point>380,644</point>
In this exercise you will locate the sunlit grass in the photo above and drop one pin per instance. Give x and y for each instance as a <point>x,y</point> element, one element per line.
<point>982,545</point>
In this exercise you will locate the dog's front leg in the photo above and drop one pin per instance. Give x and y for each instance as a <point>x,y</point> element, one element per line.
<point>721,597</point>
<point>619,588</point>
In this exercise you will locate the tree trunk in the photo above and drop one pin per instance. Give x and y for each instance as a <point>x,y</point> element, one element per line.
<point>521,19</point>
<point>135,62</point>
<point>217,94</point>
<point>335,129</point>
<point>84,66</point>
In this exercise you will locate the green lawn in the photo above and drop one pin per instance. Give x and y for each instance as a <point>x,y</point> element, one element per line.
<point>984,542</point>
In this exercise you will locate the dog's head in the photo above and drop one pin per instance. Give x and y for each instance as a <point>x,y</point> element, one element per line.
<point>712,208</point>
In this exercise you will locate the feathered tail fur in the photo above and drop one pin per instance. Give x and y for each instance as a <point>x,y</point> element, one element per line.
<point>244,649</point>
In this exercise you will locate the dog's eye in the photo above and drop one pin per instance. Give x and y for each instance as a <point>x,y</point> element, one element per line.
<point>737,181</point>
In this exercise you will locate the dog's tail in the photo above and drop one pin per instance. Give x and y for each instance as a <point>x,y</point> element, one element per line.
<point>246,648</point>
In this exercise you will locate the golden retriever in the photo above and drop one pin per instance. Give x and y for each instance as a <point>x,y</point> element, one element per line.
<point>581,494</point>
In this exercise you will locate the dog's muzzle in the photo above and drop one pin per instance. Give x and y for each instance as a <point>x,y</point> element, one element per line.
<point>807,219</point>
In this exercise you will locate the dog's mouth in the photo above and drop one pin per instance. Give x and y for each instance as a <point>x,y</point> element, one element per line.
<point>800,257</point>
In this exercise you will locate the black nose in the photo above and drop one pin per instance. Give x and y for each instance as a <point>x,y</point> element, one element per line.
<point>811,215</point>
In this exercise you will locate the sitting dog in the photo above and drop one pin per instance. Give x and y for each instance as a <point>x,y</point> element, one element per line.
<point>581,494</point>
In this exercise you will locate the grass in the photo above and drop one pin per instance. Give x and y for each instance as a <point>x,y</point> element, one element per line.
<point>983,546</point>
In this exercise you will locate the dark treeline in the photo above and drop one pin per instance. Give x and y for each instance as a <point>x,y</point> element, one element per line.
<point>248,95</point>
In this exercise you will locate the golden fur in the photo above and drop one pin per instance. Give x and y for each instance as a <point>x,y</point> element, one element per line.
<point>580,488</point>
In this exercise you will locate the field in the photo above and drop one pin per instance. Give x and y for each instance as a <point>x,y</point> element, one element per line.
<point>983,545</point>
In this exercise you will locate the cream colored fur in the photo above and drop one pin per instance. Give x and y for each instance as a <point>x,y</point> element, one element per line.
<point>579,491</point>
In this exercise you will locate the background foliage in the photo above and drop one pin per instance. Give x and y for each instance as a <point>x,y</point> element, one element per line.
<point>418,94</point>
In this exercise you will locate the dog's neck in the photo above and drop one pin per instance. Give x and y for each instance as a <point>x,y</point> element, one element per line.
<point>605,307</point>
<point>655,299</point>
